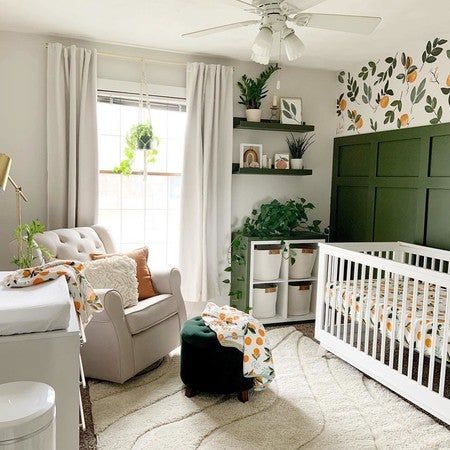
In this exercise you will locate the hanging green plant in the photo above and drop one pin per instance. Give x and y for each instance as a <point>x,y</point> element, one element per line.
<point>140,137</point>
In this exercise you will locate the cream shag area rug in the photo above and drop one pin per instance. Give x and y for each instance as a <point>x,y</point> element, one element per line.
<point>315,402</point>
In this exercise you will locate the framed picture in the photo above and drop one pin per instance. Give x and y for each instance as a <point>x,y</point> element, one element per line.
<point>251,156</point>
<point>291,111</point>
<point>281,161</point>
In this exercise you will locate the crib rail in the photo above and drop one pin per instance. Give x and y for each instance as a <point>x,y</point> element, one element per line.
<point>385,307</point>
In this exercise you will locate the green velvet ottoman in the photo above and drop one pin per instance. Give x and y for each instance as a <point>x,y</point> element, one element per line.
<point>207,366</point>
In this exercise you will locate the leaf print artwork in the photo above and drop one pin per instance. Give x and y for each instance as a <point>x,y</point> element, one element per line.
<point>291,111</point>
<point>408,88</point>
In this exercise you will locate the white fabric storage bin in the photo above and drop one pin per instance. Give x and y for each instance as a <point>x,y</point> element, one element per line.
<point>27,416</point>
<point>305,257</point>
<point>299,298</point>
<point>264,301</point>
<point>267,262</point>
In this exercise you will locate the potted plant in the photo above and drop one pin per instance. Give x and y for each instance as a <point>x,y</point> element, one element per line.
<point>298,147</point>
<point>140,137</point>
<point>28,248</point>
<point>253,91</point>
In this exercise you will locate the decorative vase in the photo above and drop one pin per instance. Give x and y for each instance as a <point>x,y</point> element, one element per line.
<point>297,163</point>
<point>253,115</point>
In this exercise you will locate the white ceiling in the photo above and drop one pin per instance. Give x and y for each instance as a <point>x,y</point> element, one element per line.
<point>407,24</point>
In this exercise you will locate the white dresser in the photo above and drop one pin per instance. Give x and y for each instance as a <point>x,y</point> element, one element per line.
<point>51,357</point>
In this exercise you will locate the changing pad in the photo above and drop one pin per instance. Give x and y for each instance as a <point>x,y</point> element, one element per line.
<point>34,309</point>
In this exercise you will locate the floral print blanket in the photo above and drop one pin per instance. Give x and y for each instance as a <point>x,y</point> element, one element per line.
<point>84,298</point>
<point>237,329</point>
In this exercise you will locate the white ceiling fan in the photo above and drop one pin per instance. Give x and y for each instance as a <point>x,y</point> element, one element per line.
<point>275,16</point>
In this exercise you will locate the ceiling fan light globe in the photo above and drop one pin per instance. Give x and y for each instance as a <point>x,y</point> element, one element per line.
<point>293,46</point>
<point>263,42</point>
<point>260,59</point>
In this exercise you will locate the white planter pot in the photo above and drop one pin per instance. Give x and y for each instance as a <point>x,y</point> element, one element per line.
<point>297,163</point>
<point>299,299</point>
<point>304,262</point>
<point>264,301</point>
<point>267,262</point>
<point>253,115</point>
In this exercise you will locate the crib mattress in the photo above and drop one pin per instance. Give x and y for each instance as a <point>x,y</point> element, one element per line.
<point>34,309</point>
<point>358,302</point>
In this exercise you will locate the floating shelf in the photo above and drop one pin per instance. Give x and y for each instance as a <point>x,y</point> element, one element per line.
<point>266,125</point>
<point>250,171</point>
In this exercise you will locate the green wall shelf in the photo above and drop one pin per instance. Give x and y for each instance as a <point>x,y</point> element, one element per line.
<point>266,125</point>
<point>250,171</point>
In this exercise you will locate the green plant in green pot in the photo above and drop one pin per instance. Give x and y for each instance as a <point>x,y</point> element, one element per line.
<point>139,138</point>
<point>254,91</point>
<point>28,249</point>
<point>297,147</point>
<point>273,220</point>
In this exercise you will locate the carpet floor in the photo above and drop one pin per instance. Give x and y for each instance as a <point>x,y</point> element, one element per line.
<point>314,402</point>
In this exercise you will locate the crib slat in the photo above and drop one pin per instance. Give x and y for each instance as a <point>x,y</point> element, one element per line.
<point>444,346</point>
<point>327,297</point>
<point>353,304</point>
<point>334,306</point>
<point>340,296</point>
<point>376,314</point>
<point>412,334</point>
<point>360,306</point>
<point>436,305</point>
<point>422,331</point>
<point>402,323</point>
<point>368,310</point>
<point>348,296</point>
<point>387,282</point>
<point>394,322</point>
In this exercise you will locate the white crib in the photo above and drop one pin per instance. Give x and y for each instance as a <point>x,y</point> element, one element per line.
<point>385,309</point>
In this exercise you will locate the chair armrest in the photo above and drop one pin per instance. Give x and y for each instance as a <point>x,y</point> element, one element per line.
<point>112,306</point>
<point>169,282</point>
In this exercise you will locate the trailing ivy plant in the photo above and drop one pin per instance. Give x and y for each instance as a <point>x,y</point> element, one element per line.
<point>27,246</point>
<point>271,221</point>
<point>140,137</point>
<point>253,91</point>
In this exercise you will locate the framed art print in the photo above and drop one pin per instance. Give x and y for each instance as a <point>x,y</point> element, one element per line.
<point>291,111</point>
<point>251,156</point>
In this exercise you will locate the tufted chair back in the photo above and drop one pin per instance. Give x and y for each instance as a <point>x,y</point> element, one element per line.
<point>77,243</point>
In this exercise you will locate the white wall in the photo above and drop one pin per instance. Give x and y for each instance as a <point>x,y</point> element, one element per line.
<point>22,124</point>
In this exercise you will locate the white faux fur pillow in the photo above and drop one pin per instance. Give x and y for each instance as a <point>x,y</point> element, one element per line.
<point>117,272</point>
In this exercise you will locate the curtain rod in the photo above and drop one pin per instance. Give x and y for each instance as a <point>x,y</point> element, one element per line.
<point>135,58</point>
<point>139,58</point>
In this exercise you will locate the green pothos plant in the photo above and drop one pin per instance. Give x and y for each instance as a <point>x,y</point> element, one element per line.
<point>271,220</point>
<point>27,246</point>
<point>140,137</point>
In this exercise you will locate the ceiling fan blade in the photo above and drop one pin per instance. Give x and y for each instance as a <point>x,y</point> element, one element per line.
<point>245,3</point>
<point>300,6</point>
<point>230,26</point>
<point>336,22</point>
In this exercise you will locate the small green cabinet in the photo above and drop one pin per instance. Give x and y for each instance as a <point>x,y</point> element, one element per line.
<point>242,280</point>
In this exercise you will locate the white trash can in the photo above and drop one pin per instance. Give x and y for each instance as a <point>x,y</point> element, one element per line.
<point>267,262</point>
<point>264,300</point>
<point>27,416</point>
<point>305,257</point>
<point>299,298</point>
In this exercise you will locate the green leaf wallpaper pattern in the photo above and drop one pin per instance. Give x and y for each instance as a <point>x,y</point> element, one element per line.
<point>401,90</point>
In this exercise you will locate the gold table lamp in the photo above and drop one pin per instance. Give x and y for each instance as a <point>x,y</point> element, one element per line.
<point>5,167</point>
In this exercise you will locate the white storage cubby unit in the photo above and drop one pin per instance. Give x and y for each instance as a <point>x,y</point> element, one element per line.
<point>282,282</point>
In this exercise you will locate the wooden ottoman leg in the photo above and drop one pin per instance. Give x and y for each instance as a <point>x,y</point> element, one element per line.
<point>243,396</point>
<point>189,392</point>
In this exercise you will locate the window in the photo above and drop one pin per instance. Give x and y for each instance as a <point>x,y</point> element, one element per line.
<point>142,210</point>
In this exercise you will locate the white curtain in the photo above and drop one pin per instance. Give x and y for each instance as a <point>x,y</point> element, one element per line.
<point>206,186</point>
<point>72,154</point>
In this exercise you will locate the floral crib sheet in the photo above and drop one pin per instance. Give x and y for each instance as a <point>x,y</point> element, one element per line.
<point>355,301</point>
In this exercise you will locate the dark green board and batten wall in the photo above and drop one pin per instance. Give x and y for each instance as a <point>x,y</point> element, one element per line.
<point>393,186</point>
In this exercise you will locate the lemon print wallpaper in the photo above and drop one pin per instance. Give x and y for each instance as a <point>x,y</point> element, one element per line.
<point>398,91</point>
